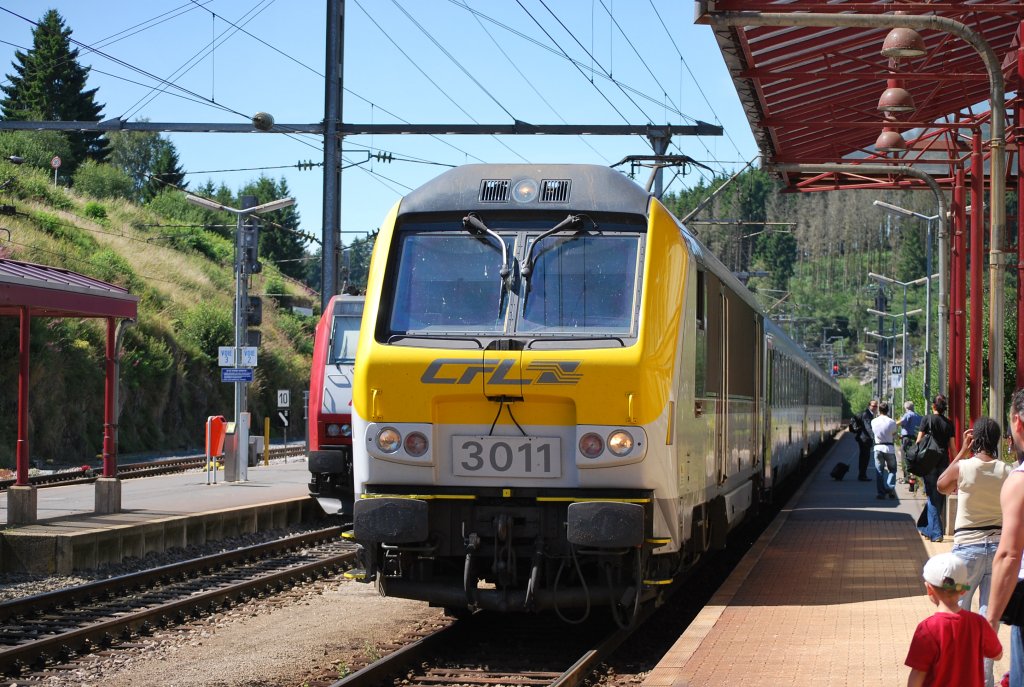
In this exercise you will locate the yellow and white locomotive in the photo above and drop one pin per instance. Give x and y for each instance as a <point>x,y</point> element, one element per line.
<point>560,398</point>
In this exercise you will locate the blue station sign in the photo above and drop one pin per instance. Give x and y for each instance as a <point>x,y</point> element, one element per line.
<point>237,374</point>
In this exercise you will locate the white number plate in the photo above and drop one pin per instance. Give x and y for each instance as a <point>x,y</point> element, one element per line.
<point>538,457</point>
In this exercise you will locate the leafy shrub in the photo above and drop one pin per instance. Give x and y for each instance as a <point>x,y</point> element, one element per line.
<point>201,241</point>
<point>63,231</point>
<point>95,210</point>
<point>299,329</point>
<point>274,288</point>
<point>36,148</point>
<point>109,266</point>
<point>207,326</point>
<point>102,181</point>
<point>33,184</point>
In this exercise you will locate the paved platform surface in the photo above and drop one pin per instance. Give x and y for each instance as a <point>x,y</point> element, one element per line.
<point>157,513</point>
<point>829,595</point>
<point>175,494</point>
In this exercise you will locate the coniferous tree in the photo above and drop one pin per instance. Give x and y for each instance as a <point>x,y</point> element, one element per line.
<point>280,244</point>
<point>144,155</point>
<point>49,84</point>
<point>165,172</point>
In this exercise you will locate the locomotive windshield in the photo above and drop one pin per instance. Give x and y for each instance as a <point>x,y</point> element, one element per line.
<point>345,334</point>
<point>581,282</point>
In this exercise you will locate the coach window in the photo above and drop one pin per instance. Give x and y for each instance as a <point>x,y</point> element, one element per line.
<point>700,341</point>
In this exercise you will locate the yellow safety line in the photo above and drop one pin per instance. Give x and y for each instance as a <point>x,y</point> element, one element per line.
<point>575,499</point>
<point>658,541</point>
<point>421,497</point>
<point>655,582</point>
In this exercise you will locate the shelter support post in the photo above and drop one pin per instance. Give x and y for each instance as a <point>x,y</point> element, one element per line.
<point>977,285</point>
<point>22,498</point>
<point>1020,225</point>
<point>22,455</point>
<point>109,412</point>
<point>957,325</point>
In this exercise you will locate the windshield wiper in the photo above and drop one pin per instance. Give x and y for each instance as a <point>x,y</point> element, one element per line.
<point>475,226</point>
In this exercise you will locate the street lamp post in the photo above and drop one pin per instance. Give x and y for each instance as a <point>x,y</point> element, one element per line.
<point>927,292</point>
<point>244,266</point>
<point>881,358</point>
<point>906,314</point>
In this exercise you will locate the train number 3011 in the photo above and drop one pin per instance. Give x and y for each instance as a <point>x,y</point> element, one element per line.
<point>483,456</point>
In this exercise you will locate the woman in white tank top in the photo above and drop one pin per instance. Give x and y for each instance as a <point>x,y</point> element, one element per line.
<point>978,479</point>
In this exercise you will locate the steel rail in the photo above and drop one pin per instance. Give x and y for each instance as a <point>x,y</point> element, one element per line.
<point>59,646</point>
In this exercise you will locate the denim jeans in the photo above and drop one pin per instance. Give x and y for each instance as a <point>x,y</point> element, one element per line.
<point>930,522</point>
<point>978,558</point>
<point>1016,657</point>
<point>885,465</point>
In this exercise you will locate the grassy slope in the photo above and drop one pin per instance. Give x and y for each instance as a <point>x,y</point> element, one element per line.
<point>170,378</point>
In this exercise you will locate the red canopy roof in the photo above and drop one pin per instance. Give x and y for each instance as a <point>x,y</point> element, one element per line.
<point>811,93</point>
<point>53,292</point>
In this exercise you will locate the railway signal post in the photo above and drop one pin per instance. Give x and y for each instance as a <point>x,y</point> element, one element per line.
<point>237,457</point>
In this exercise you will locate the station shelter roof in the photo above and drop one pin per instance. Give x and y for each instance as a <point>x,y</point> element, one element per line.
<point>54,292</point>
<point>811,93</point>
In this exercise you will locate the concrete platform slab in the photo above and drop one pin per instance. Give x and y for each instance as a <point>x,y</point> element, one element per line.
<point>157,513</point>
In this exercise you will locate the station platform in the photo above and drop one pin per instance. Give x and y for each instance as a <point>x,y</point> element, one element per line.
<point>157,513</point>
<point>830,594</point>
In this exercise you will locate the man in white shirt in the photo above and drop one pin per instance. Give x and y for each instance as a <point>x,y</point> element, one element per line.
<point>884,429</point>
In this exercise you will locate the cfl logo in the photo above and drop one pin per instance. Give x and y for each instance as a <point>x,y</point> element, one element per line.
<point>466,371</point>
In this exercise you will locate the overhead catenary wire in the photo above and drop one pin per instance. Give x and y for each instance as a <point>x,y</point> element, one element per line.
<point>428,77</point>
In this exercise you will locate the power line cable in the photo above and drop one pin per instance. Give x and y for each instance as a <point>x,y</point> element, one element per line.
<point>455,61</point>
<point>529,83</point>
<point>134,68</point>
<point>694,78</point>
<point>198,57</point>
<point>562,54</point>
<point>574,63</point>
<point>428,78</point>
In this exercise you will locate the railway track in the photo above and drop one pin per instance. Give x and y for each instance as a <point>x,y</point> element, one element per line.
<point>47,629</point>
<point>488,649</point>
<point>160,466</point>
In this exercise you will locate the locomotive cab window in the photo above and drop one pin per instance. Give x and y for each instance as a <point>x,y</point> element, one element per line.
<point>344,340</point>
<point>500,277</point>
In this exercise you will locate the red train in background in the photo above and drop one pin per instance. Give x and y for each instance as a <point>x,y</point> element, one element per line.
<point>330,404</point>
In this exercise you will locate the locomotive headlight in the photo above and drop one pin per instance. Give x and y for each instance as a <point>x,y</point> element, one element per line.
<point>333,430</point>
<point>591,445</point>
<point>620,442</point>
<point>416,444</point>
<point>346,430</point>
<point>388,440</point>
<point>525,191</point>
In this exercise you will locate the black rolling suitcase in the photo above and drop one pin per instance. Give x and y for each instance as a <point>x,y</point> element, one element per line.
<point>839,471</point>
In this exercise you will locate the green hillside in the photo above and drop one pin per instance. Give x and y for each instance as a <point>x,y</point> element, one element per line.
<point>170,380</point>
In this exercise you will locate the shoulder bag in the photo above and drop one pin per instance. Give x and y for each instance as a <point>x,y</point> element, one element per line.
<point>924,456</point>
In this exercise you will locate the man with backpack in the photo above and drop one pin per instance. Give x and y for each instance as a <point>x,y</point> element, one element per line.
<point>860,427</point>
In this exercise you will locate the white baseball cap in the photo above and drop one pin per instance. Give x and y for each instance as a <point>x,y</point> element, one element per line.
<point>946,571</point>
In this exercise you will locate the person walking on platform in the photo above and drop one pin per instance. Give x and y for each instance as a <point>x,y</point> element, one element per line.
<point>941,430</point>
<point>948,646</point>
<point>1007,571</point>
<point>860,427</point>
<point>978,478</point>
<point>883,428</point>
<point>909,423</point>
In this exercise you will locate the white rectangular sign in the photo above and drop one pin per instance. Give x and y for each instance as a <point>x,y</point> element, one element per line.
<point>249,356</point>
<point>226,356</point>
<point>283,398</point>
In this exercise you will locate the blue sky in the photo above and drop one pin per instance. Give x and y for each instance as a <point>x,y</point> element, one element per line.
<point>419,61</point>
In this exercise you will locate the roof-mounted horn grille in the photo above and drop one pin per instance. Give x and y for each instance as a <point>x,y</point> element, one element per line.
<point>494,190</point>
<point>554,190</point>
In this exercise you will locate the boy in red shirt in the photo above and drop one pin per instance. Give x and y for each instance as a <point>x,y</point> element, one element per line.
<point>948,647</point>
